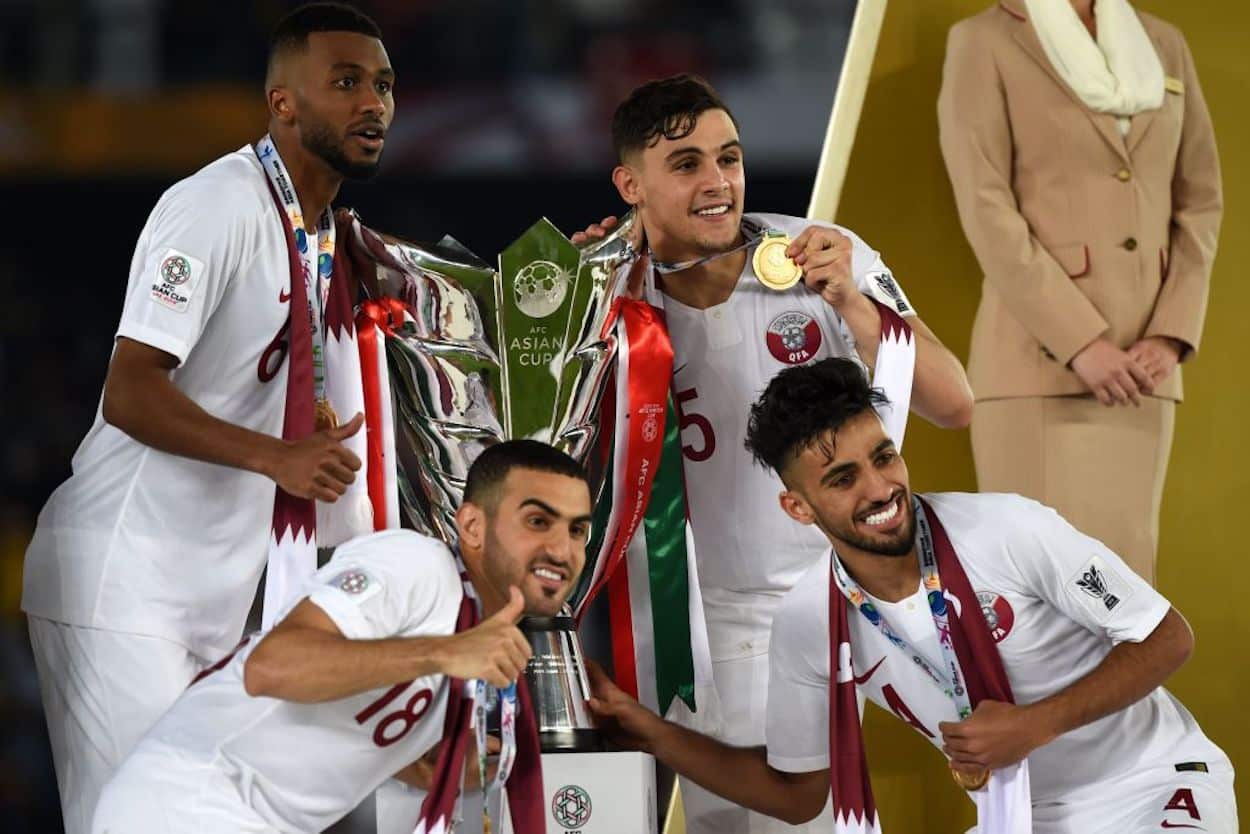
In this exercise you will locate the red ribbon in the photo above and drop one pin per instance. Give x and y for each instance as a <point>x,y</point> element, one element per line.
<point>385,314</point>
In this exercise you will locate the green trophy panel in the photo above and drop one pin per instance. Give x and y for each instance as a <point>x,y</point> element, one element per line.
<point>537,276</point>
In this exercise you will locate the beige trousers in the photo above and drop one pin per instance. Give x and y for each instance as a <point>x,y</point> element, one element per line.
<point>1101,467</point>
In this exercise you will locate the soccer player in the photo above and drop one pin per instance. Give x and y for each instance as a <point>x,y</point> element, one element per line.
<point>351,687</point>
<point>985,621</point>
<point>682,168</point>
<point>145,562</point>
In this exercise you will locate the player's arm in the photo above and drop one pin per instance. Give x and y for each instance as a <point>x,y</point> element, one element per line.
<point>999,734</point>
<point>740,774</point>
<point>306,658</point>
<point>940,390</point>
<point>141,399</point>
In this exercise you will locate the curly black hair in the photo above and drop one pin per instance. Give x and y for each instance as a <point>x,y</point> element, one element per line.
<point>802,405</point>
<point>669,107</point>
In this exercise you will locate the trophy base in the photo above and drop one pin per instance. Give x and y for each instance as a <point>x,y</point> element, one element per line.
<point>571,741</point>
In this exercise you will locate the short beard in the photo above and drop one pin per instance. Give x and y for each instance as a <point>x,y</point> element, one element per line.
<point>898,547</point>
<point>318,139</point>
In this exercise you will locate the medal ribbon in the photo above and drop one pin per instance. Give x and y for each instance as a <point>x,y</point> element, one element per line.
<point>752,231</point>
<point>316,256</point>
<point>507,699</point>
<point>950,679</point>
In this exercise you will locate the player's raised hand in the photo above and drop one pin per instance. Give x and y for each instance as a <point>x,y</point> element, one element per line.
<point>997,734</point>
<point>595,231</point>
<point>825,256</point>
<point>623,720</point>
<point>319,466</point>
<point>495,650</point>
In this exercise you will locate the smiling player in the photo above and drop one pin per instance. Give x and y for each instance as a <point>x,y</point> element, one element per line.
<point>352,686</point>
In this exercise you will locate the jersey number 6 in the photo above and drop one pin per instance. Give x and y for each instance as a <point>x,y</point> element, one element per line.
<point>698,421</point>
<point>395,725</point>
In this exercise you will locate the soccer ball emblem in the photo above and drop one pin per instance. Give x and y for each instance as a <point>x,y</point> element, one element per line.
<point>540,288</point>
<point>176,269</point>
<point>793,336</point>
<point>571,806</point>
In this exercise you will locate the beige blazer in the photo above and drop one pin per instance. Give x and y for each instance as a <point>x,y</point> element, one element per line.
<point>1079,232</point>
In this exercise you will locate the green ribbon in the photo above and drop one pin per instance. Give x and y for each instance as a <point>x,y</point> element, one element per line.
<point>664,525</point>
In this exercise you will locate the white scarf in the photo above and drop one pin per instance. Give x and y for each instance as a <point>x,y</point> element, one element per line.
<point>1120,73</point>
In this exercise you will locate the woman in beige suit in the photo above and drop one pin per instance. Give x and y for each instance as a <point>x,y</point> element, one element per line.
<point>1085,171</point>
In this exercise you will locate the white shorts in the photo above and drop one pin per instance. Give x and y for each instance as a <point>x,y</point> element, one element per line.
<point>742,685</point>
<point>156,793</point>
<point>102,690</point>
<point>1155,800</point>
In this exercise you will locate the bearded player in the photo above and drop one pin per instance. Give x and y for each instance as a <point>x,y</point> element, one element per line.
<point>352,685</point>
<point>144,564</point>
<point>682,167</point>
<point>985,621</point>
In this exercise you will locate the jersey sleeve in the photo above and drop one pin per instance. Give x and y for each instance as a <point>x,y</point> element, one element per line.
<point>1080,575</point>
<point>874,279</point>
<point>191,248</point>
<point>796,726</point>
<point>386,585</point>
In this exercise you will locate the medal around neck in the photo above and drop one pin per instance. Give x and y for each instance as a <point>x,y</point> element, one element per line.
<point>772,268</point>
<point>971,781</point>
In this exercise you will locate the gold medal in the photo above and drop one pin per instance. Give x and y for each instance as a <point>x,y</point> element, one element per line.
<point>324,416</point>
<point>773,269</point>
<point>974,781</point>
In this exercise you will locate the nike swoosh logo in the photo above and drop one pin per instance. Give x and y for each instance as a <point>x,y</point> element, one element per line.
<point>680,368</point>
<point>283,296</point>
<point>860,680</point>
<point>1166,824</point>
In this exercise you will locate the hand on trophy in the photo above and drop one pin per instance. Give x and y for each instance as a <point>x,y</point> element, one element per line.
<point>625,722</point>
<point>319,466</point>
<point>495,650</point>
<point>420,774</point>
<point>595,231</point>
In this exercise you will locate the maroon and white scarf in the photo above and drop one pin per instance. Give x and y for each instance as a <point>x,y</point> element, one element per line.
<point>525,781</point>
<point>1003,809</point>
<point>300,525</point>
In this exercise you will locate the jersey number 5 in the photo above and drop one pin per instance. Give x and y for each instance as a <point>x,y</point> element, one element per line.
<point>395,725</point>
<point>703,424</point>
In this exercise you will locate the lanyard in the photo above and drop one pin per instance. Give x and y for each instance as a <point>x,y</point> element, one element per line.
<point>484,699</point>
<point>752,231</point>
<point>950,679</point>
<point>316,257</point>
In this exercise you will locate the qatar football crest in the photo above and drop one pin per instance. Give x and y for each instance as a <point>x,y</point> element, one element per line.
<point>793,338</point>
<point>998,614</point>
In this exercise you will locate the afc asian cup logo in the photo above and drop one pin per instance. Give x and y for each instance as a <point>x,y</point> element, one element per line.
<point>540,288</point>
<point>998,614</point>
<point>571,806</point>
<point>793,338</point>
<point>175,270</point>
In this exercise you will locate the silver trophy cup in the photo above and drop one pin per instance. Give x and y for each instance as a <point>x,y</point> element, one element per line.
<point>486,356</point>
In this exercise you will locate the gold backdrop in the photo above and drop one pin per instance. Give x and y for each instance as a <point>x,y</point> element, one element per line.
<point>898,198</point>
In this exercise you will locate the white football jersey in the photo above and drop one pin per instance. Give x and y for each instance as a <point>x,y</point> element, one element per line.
<point>300,767</point>
<point>749,552</point>
<point>1056,602</point>
<point>142,541</point>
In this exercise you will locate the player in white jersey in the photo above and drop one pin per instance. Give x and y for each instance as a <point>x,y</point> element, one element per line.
<point>682,169</point>
<point>1085,644</point>
<point>145,562</point>
<point>350,688</point>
